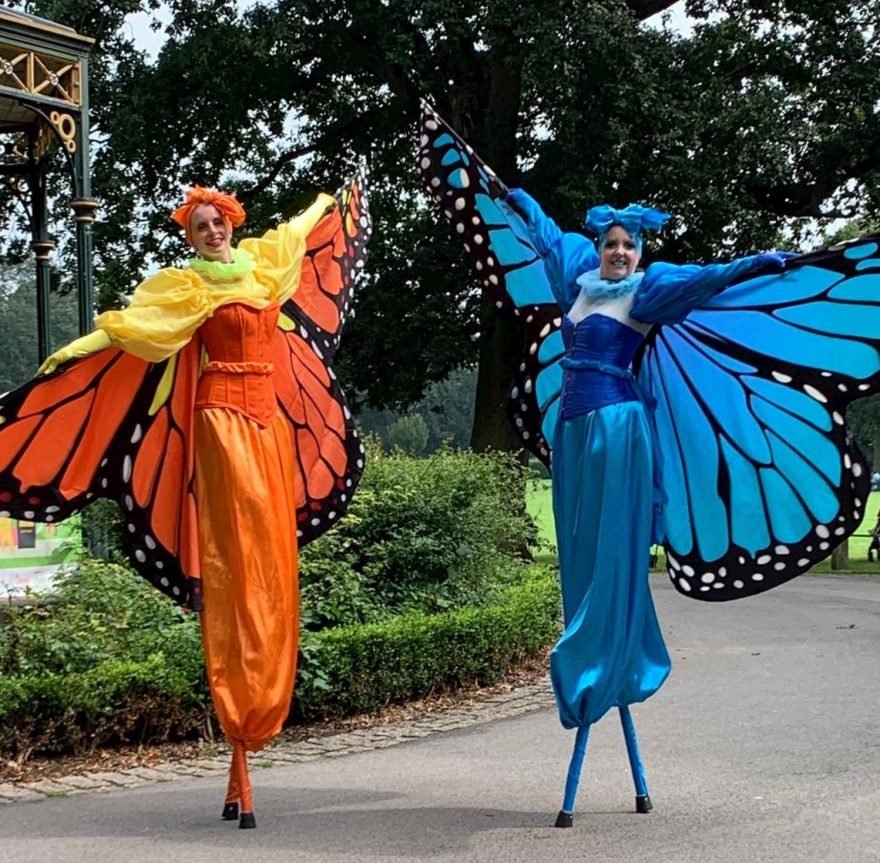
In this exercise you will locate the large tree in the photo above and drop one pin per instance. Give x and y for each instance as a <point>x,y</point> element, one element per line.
<point>762,118</point>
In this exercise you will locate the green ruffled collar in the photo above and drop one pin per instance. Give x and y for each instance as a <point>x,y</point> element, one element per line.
<point>217,271</point>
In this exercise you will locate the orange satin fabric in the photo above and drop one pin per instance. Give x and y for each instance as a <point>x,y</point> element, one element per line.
<point>245,494</point>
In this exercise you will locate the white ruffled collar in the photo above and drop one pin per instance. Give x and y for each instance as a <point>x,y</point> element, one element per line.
<point>595,287</point>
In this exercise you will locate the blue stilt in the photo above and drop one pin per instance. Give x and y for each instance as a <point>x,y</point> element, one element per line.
<point>565,817</point>
<point>643,801</point>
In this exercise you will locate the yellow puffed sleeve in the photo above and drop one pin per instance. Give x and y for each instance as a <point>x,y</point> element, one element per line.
<point>279,252</point>
<point>164,312</point>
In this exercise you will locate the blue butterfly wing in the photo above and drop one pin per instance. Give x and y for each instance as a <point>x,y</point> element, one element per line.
<point>509,269</point>
<point>762,479</point>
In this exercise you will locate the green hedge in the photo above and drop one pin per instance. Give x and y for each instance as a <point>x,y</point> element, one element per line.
<point>360,668</point>
<point>116,701</point>
<point>423,586</point>
<point>343,671</point>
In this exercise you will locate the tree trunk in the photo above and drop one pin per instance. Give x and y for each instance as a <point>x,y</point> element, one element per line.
<point>501,336</point>
<point>501,346</point>
<point>840,556</point>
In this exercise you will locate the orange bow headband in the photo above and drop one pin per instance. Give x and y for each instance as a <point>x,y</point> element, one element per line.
<point>229,207</point>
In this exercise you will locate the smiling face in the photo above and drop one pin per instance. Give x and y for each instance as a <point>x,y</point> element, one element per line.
<point>209,234</point>
<point>619,255</point>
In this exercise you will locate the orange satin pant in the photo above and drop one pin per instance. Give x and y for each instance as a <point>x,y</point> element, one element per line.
<point>244,480</point>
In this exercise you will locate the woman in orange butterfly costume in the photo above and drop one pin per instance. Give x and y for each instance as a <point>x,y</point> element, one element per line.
<point>207,407</point>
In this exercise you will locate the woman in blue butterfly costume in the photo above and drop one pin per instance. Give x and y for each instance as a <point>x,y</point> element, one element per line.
<point>607,493</point>
<point>752,365</point>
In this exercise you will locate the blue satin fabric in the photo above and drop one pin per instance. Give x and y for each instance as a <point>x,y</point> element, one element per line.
<point>598,339</point>
<point>611,653</point>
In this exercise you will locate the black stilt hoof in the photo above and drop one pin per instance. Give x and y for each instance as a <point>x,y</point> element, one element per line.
<point>230,812</point>
<point>643,804</point>
<point>564,819</point>
<point>247,821</point>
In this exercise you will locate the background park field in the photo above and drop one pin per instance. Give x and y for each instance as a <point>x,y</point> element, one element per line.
<point>541,508</point>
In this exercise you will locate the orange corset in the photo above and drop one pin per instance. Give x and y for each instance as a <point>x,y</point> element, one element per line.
<point>239,374</point>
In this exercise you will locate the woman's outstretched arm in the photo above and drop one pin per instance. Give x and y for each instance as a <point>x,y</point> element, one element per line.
<point>566,255</point>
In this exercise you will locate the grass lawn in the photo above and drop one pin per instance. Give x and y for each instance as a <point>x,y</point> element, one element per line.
<point>24,562</point>
<point>541,508</point>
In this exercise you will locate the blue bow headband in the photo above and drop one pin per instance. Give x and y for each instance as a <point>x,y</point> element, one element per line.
<point>635,218</point>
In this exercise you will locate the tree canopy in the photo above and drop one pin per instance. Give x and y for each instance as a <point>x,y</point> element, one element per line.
<point>763,118</point>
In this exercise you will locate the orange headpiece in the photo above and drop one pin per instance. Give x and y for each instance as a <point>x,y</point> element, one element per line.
<point>229,207</point>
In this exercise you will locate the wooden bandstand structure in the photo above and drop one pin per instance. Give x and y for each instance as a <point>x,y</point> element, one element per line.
<point>44,109</point>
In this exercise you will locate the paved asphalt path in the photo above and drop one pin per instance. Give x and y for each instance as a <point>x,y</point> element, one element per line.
<point>762,746</point>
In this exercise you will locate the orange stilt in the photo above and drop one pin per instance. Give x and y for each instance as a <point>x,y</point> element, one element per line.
<point>243,780</point>
<point>233,792</point>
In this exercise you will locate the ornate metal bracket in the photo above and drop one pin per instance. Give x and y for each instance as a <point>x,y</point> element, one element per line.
<point>42,249</point>
<point>84,209</point>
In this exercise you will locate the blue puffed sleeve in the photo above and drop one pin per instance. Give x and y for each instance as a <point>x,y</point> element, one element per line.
<point>669,293</point>
<point>566,256</point>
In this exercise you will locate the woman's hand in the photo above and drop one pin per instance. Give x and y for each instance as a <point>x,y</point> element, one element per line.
<point>81,347</point>
<point>773,259</point>
<point>497,189</point>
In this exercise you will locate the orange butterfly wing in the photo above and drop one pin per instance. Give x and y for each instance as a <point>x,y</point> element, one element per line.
<point>335,257</point>
<point>110,425</point>
<point>329,454</point>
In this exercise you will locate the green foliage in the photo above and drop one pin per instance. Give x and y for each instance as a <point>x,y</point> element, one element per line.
<point>103,526</point>
<point>863,420</point>
<point>75,696</point>
<point>104,659</point>
<point>97,613</point>
<point>447,410</point>
<point>408,434</point>
<point>426,534</point>
<point>352,669</point>
<point>115,701</point>
<point>332,591</point>
<point>853,229</point>
<point>537,469</point>
<point>107,658</point>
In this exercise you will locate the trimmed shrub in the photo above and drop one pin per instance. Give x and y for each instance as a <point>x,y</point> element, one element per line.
<point>421,535</point>
<point>117,701</point>
<point>98,612</point>
<point>104,659</point>
<point>357,668</point>
<point>343,670</point>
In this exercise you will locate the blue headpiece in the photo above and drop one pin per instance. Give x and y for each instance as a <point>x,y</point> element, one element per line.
<point>635,218</point>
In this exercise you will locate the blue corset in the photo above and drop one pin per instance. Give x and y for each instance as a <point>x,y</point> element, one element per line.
<point>599,351</point>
